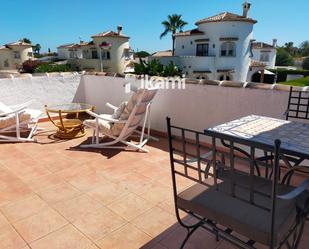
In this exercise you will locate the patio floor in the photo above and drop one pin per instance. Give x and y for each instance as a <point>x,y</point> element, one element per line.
<point>54,195</point>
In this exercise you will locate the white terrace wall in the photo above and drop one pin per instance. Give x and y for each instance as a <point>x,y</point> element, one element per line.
<point>54,89</point>
<point>197,107</point>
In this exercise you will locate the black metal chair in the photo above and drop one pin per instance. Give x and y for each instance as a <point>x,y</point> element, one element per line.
<point>227,198</point>
<point>298,105</point>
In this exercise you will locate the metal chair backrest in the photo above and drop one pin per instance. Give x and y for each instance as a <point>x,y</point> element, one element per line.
<point>195,155</point>
<point>298,105</point>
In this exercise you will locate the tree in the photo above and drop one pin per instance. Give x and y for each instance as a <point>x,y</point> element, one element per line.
<point>284,58</point>
<point>37,48</point>
<point>26,40</point>
<point>289,47</point>
<point>142,54</point>
<point>306,63</point>
<point>304,48</point>
<point>173,24</point>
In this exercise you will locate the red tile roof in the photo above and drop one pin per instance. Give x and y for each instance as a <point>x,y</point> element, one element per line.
<point>110,34</point>
<point>189,32</point>
<point>226,17</point>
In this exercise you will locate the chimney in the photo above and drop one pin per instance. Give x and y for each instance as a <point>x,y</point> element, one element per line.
<point>246,8</point>
<point>275,42</point>
<point>119,29</point>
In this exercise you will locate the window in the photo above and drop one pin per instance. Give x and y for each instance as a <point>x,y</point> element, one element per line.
<point>264,56</point>
<point>224,77</point>
<point>94,54</point>
<point>16,55</point>
<point>6,63</point>
<point>202,49</point>
<point>106,55</point>
<point>228,49</point>
<point>29,54</point>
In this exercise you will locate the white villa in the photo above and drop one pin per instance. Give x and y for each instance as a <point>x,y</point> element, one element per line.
<point>108,51</point>
<point>12,55</point>
<point>222,47</point>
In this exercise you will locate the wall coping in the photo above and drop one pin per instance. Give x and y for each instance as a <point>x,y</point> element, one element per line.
<point>234,84</point>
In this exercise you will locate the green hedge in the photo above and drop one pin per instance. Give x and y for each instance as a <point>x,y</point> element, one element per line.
<point>48,68</point>
<point>282,73</point>
<point>298,82</point>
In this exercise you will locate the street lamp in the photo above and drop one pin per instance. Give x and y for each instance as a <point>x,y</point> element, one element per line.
<point>103,46</point>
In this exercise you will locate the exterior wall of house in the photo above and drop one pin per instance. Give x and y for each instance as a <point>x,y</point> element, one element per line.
<point>185,49</point>
<point>25,53</point>
<point>6,60</point>
<point>270,63</point>
<point>117,60</point>
<point>63,53</point>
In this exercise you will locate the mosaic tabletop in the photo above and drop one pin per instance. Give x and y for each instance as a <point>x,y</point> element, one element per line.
<point>294,136</point>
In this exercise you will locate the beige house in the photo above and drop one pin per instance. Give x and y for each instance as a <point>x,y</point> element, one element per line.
<point>12,55</point>
<point>108,51</point>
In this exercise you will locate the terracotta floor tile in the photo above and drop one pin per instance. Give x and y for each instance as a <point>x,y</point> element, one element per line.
<point>108,193</point>
<point>65,238</point>
<point>44,182</point>
<point>27,169</point>
<point>88,182</point>
<point>157,193</point>
<point>3,221</point>
<point>23,208</point>
<point>14,194</point>
<point>39,225</point>
<point>77,207</point>
<point>127,237</point>
<point>155,221</point>
<point>58,193</point>
<point>75,171</point>
<point>99,223</point>
<point>136,183</point>
<point>9,239</point>
<point>199,240</point>
<point>130,206</point>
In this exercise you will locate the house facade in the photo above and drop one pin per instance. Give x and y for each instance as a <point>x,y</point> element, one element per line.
<point>12,55</point>
<point>222,47</point>
<point>108,51</point>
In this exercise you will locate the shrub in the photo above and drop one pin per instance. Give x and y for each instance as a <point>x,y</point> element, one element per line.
<point>29,66</point>
<point>298,82</point>
<point>142,54</point>
<point>305,64</point>
<point>282,73</point>
<point>284,58</point>
<point>171,70</point>
<point>155,68</point>
<point>48,68</point>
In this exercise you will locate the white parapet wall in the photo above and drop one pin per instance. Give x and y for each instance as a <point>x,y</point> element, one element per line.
<point>200,105</point>
<point>43,90</point>
<point>197,107</point>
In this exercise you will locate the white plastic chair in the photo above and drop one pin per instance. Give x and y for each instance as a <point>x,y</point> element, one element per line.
<point>138,116</point>
<point>18,119</point>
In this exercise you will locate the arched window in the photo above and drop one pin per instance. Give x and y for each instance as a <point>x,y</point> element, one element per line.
<point>264,56</point>
<point>228,49</point>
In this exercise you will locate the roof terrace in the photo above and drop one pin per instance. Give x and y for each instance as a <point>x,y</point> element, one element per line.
<point>56,195</point>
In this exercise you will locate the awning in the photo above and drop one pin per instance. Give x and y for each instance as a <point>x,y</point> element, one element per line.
<point>225,71</point>
<point>267,72</point>
<point>201,71</point>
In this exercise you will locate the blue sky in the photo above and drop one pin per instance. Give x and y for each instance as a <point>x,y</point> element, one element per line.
<point>56,22</point>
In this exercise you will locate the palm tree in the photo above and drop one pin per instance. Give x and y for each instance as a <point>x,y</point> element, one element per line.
<point>37,48</point>
<point>173,24</point>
